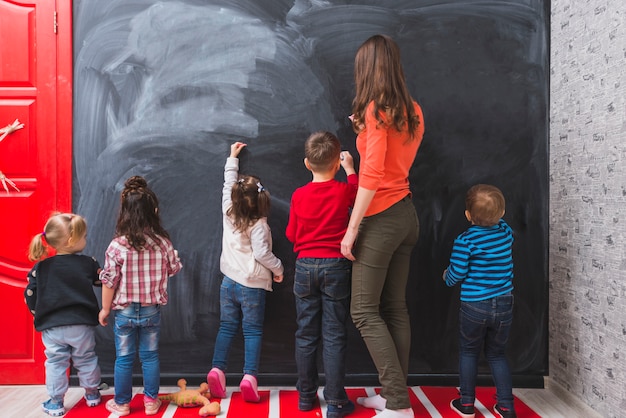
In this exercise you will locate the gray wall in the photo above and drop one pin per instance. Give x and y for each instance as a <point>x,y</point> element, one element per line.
<point>588,202</point>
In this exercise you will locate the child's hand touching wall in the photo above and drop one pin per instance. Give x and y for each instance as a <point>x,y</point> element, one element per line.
<point>347,162</point>
<point>236,148</point>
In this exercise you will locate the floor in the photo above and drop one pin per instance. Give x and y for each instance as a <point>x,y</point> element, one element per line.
<point>551,402</point>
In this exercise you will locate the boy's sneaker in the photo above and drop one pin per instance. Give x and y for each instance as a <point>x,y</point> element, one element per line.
<point>338,411</point>
<point>151,406</point>
<point>217,383</point>
<point>504,412</point>
<point>466,411</point>
<point>249,390</point>
<point>53,407</point>
<point>93,397</point>
<point>121,410</point>
<point>306,404</point>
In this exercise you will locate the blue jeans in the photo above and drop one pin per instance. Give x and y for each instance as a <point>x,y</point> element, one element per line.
<point>245,306</point>
<point>72,342</point>
<point>322,292</point>
<point>137,328</point>
<point>486,325</point>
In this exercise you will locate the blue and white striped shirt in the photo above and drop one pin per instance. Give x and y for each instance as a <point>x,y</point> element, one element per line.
<point>482,261</point>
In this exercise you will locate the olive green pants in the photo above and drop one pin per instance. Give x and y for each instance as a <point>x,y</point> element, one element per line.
<point>378,306</point>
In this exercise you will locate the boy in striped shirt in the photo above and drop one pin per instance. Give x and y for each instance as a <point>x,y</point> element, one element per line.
<point>482,262</point>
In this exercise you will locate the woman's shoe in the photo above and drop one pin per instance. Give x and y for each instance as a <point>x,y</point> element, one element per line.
<point>375,402</point>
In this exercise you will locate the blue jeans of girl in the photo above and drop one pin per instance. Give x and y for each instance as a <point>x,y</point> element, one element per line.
<point>245,306</point>
<point>322,293</point>
<point>137,329</point>
<point>485,325</point>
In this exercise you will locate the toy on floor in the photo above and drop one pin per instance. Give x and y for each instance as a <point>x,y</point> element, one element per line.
<point>189,398</point>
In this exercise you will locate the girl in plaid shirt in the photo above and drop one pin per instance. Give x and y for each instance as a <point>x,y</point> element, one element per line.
<point>138,263</point>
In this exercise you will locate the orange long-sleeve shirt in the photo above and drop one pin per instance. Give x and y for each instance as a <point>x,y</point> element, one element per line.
<point>386,158</point>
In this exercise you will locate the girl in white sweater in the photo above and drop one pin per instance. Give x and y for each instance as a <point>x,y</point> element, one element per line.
<point>248,265</point>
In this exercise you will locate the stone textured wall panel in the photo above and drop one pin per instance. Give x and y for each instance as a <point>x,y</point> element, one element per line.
<point>588,202</point>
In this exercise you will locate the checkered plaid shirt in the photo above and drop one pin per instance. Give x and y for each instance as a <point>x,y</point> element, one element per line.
<point>139,276</point>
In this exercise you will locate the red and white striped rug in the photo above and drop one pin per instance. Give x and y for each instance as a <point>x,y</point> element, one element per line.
<point>427,401</point>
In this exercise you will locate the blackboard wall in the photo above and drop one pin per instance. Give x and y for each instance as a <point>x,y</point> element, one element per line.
<point>162,89</point>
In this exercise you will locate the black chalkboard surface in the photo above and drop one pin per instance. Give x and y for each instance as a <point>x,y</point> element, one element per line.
<point>163,88</point>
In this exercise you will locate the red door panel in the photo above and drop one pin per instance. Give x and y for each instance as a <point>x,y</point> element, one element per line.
<point>35,89</point>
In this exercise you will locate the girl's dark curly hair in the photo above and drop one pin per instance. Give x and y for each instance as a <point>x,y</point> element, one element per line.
<point>139,214</point>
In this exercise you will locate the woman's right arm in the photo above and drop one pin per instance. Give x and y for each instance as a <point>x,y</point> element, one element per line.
<point>371,174</point>
<point>363,199</point>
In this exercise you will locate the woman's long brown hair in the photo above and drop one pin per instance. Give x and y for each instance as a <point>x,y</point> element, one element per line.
<point>379,77</point>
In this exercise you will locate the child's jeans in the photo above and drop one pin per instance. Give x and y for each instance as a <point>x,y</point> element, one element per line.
<point>137,328</point>
<point>75,342</point>
<point>243,305</point>
<point>486,325</point>
<point>322,292</point>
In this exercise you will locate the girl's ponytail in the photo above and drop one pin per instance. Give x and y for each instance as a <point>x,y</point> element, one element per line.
<point>37,250</point>
<point>59,228</point>
<point>251,202</point>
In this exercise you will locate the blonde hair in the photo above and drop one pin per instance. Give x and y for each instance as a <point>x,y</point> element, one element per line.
<point>59,228</point>
<point>485,204</point>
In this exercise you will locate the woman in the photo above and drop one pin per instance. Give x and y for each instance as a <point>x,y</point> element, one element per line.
<point>390,127</point>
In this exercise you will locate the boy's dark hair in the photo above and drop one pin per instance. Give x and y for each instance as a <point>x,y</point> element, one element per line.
<point>251,202</point>
<point>485,203</point>
<point>322,150</point>
<point>139,215</point>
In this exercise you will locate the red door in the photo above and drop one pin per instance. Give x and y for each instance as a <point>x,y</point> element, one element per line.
<point>35,90</point>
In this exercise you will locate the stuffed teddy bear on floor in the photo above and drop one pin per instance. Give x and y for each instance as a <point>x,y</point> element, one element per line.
<point>189,398</point>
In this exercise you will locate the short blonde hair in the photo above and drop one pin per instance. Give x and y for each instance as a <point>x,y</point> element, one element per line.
<point>485,204</point>
<point>59,228</point>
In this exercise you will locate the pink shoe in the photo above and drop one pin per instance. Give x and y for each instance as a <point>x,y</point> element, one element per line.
<point>151,406</point>
<point>248,388</point>
<point>117,409</point>
<point>217,383</point>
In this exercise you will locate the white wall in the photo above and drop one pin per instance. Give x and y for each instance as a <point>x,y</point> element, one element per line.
<point>588,202</point>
